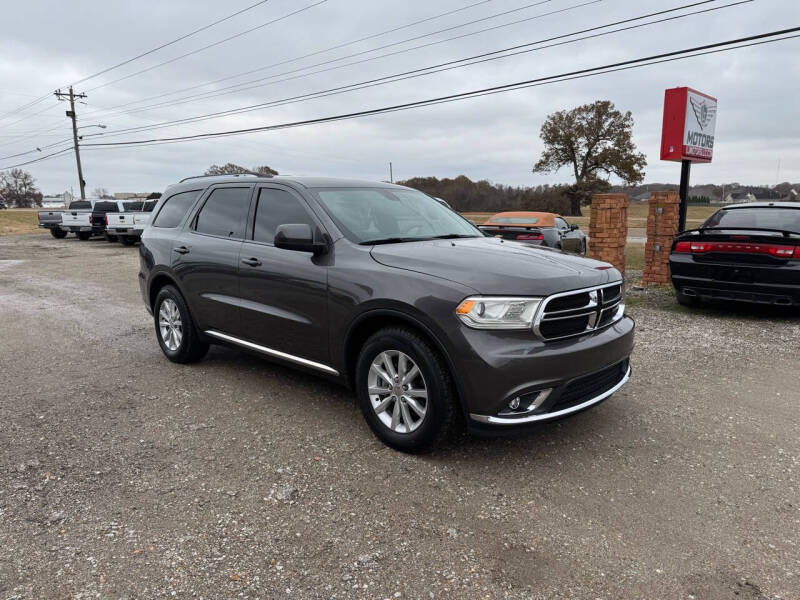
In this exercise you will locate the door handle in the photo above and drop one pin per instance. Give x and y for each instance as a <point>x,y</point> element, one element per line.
<point>181,250</point>
<point>253,262</point>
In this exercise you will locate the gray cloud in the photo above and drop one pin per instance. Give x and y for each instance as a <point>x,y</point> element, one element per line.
<point>494,137</point>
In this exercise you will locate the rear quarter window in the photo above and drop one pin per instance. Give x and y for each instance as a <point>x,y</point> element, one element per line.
<point>175,208</point>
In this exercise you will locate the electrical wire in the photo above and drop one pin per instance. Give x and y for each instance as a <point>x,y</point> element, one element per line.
<point>446,66</point>
<point>212,45</point>
<point>613,67</point>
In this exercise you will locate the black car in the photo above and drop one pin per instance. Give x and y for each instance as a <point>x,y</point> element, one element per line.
<point>384,289</point>
<point>743,252</point>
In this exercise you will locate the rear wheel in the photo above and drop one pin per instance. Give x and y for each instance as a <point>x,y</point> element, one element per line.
<point>84,235</point>
<point>58,233</point>
<point>177,335</point>
<point>110,238</point>
<point>404,390</point>
<point>129,240</point>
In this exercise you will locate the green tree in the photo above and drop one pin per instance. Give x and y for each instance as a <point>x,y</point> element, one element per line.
<point>19,187</point>
<point>595,140</point>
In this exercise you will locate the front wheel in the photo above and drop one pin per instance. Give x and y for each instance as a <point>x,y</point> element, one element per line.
<point>177,335</point>
<point>405,390</point>
<point>58,233</point>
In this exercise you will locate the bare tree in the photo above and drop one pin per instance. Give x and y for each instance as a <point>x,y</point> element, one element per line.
<point>19,187</point>
<point>234,169</point>
<point>102,193</point>
<point>593,139</point>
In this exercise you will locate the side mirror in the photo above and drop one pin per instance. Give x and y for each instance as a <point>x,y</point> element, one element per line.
<point>298,236</point>
<point>574,227</point>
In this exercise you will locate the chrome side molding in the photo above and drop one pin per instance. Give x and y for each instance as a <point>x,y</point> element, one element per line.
<point>271,352</point>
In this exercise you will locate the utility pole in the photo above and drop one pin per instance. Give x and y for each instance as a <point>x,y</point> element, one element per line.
<point>71,114</point>
<point>391,175</point>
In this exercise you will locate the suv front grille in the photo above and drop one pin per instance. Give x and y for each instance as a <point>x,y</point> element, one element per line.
<point>581,311</point>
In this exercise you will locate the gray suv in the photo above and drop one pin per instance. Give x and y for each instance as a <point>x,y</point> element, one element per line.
<point>384,289</point>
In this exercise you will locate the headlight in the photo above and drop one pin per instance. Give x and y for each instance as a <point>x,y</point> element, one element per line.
<point>498,313</point>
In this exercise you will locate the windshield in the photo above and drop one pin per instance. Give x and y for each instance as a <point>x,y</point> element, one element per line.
<point>784,219</point>
<point>374,215</point>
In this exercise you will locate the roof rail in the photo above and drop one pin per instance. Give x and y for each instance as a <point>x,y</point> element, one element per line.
<point>248,173</point>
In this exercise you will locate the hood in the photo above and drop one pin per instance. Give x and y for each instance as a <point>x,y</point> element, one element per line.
<point>496,267</point>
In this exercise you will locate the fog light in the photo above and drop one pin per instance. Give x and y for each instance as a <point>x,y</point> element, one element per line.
<point>514,404</point>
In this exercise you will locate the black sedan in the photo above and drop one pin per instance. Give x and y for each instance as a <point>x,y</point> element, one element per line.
<point>744,252</point>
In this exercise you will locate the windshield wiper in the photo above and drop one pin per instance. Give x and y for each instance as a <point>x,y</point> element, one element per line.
<point>453,236</point>
<point>391,240</point>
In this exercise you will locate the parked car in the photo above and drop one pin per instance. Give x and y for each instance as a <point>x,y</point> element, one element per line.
<point>538,229</point>
<point>127,226</point>
<point>3,205</point>
<point>382,288</point>
<point>77,219</point>
<point>743,252</point>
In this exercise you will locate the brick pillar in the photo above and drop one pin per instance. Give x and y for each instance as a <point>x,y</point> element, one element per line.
<point>662,227</point>
<point>608,229</point>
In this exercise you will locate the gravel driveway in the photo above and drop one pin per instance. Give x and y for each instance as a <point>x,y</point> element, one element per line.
<point>126,476</point>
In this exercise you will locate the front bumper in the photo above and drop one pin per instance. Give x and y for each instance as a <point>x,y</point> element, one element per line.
<point>552,379</point>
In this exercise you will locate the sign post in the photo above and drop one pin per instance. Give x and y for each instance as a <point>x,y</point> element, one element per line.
<point>687,135</point>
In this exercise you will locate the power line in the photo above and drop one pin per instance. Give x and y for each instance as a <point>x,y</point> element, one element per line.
<point>217,43</point>
<point>451,28</point>
<point>143,54</point>
<point>618,66</point>
<point>315,53</point>
<point>445,66</point>
<point>170,43</point>
<point>41,158</point>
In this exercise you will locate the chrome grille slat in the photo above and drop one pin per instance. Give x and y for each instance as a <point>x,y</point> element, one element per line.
<point>606,302</point>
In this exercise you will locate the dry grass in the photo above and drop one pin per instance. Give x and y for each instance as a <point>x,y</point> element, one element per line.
<point>19,220</point>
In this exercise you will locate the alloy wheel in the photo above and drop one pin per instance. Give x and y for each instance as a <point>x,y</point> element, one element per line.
<point>170,324</point>
<point>397,391</point>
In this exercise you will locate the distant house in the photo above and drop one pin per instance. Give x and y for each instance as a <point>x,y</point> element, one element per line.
<point>739,197</point>
<point>53,201</point>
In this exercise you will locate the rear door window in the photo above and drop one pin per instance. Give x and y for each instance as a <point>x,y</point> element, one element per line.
<point>224,214</point>
<point>175,208</point>
<point>277,207</point>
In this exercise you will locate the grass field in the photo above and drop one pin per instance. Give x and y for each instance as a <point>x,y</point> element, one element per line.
<point>19,220</point>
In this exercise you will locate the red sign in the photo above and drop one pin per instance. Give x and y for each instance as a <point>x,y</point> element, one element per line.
<point>690,118</point>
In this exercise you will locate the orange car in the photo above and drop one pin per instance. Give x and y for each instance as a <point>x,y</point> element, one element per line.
<point>537,228</point>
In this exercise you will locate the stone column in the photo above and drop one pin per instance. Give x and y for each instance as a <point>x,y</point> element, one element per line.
<point>662,227</point>
<point>608,229</point>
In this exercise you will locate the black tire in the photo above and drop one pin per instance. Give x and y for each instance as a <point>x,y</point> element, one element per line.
<point>191,348</point>
<point>129,240</point>
<point>440,416</point>
<point>111,238</point>
<point>58,233</point>
<point>685,300</point>
<point>84,235</point>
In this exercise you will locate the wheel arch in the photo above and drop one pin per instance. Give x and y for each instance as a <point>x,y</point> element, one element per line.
<point>374,320</point>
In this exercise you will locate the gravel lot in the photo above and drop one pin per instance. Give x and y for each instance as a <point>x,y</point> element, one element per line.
<point>126,476</point>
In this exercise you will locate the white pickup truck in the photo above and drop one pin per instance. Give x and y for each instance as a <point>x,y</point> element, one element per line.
<point>77,218</point>
<point>127,226</point>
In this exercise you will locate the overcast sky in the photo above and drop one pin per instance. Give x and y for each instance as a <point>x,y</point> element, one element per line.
<point>46,45</point>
